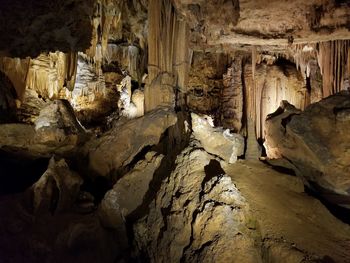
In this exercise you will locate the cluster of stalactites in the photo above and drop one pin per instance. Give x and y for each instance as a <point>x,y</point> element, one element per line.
<point>266,85</point>
<point>333,59</point>
<point>47,74</point>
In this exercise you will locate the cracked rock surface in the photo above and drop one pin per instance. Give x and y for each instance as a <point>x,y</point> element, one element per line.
<point>198,216</point>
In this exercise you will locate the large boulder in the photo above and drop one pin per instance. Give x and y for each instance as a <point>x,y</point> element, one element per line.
<point>198,215</point>
<point>119,146</point>
<point>58,188</point>
<point>216,140</point>
<point>56,131</point>
<point>129,192</point>
<point>58,125</point>
<point>316,142</point>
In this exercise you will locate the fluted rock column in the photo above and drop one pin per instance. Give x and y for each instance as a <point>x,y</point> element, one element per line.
<point>232,97</point>
<point>168,55</point>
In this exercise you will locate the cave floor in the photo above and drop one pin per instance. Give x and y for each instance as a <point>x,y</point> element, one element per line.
<point>285,213</point>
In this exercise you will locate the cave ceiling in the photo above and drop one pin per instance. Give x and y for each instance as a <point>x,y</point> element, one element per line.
<point>31,27</point>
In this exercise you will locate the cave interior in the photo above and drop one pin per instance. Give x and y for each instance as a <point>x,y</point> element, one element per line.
<point>175,131</point>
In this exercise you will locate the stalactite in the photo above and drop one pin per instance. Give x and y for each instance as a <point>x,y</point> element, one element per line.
<point>71,68</point>
<point>253,61</point>
<point>16,70</point>
<point>333,61</point>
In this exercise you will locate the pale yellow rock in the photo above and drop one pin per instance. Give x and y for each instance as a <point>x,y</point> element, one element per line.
<point>216,140</point>
<point>118,147</point>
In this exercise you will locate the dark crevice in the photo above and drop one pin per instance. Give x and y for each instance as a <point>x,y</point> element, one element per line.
<point>170,145</point>
<point>213,169</point>
<point>18,173</point>
<point>329,200</point>
<point>287,120</point>
<point>280,169</point>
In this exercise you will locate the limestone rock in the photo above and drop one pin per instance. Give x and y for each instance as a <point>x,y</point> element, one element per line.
<point>268,87</point>
<point>217,140</point>
<point>118,147</point>
<point>30,107</point>
<point>232,97</point>
<point>198,216</point>
<point>317,143</point>
<point>56,130</point>
<point>57,189</point>
<point>205,81</point>
<point>58,125</point>
<point>248,22</point>
<point>128,193</point>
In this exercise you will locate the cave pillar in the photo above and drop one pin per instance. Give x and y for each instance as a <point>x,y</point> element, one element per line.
<point>168,55</point>
<point>232,97</point>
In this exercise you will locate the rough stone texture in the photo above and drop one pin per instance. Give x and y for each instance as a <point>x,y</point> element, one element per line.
<point>56,130</point>
<point>118,147</point>
<point>128,193</point>
<point>205,81</point>
<point>57,189</point>
<point>58,125</point>
<point>264,22</point>
<point>232,97</point>
<point>30,107</point>
<point>198,216</point>
<point>294,226</point>
<point>316,142</point>
<point>218,141</point>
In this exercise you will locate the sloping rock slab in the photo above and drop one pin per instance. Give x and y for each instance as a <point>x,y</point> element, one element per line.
<point>317,143</point>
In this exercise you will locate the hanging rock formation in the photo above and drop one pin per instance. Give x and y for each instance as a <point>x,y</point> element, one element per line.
<point>167,55</point>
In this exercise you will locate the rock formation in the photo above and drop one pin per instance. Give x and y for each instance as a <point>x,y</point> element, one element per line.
<point>304,139</point>
<point>119,146</point>
<point>137,131</point>
<point>56,130</point>
<point>199,217</point>
<point>217,141</point>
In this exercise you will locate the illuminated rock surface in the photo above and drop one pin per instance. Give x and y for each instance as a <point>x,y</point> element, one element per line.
<point>217,141</point>
<point>305,140</point>
<point>118,147</point>
<point>131,131</point>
